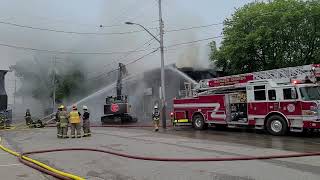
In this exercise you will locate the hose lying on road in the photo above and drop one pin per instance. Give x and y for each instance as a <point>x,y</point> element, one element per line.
<point>236,158</point>
<point>41,166</point>
<point>117,126</point>
<point>62,175</point>
<point>27,163</point>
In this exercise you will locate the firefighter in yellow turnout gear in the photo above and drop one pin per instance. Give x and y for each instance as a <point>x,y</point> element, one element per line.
<point>63,118</point>
<point>75,122</point>
<point>2,120</point>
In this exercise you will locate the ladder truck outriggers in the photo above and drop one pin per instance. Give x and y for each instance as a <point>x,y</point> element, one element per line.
<point>278,101</point>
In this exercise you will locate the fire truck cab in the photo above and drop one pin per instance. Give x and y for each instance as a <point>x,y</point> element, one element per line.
<point>278,101</point>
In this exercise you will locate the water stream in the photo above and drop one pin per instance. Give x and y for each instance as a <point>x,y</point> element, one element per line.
<point>96,100</point>
<point>185,76</point>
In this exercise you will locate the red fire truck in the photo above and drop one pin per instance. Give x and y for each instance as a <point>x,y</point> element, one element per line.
<point>278,101</point>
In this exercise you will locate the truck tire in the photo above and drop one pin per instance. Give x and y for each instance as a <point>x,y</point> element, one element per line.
<point>277,125</point>
<point>198,122</point>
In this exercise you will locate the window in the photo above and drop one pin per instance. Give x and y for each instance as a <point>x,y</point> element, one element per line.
<point>310,93</point>
<point>259,87</point>
<point>259,93</point>
<point>272,95</point>
<point>288,93</point>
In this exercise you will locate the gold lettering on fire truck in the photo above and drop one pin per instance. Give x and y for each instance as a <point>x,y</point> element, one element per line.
<point>229,81</point>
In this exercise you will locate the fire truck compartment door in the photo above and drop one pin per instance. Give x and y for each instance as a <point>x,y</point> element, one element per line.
<point>180,115</point>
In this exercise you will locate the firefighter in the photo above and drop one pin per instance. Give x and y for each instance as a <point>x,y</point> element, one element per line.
<point>28,117</point>
<point>59,135</point>
<point>86,122</point>
<point>2,120</point>
<point>74,120</point>
<point>63,121</point>
<point>156,118</point>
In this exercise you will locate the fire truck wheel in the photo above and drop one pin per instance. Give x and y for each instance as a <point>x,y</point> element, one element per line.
<point>276,125</point>
<point>198,122</point>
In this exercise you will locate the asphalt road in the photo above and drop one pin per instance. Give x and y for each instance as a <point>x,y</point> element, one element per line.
<point>183,142</point>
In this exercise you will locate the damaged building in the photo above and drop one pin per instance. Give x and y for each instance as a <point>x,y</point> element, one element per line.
<point>144,92</point>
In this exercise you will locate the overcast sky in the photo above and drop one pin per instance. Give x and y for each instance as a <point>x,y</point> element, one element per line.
<point>87,15</point>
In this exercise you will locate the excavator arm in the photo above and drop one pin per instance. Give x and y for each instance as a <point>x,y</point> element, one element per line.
<point>121,73</point>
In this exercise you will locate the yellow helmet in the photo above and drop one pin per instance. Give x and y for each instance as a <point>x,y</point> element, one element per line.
<point>61,107</point>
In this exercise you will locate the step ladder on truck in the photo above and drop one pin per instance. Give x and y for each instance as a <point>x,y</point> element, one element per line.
<point>279,100</point>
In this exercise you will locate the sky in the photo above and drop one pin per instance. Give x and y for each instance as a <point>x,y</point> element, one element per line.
<point>88,15</point>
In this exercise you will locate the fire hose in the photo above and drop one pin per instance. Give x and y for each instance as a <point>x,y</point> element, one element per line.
<point>23,158</point>
<point>235,158</point>
<point>40,166</point>
<point>61,175</point>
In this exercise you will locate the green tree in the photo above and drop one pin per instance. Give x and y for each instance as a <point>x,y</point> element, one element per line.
<point>268,35</point>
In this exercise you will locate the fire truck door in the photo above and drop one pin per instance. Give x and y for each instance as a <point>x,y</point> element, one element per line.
<point>257,101</point>
<point>273,103</point>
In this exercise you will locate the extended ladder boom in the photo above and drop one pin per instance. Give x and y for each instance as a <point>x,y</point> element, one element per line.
<point>299,72</point>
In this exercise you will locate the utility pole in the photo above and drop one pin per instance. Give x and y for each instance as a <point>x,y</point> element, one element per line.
<point>54,83</point>
<point>163,85</point>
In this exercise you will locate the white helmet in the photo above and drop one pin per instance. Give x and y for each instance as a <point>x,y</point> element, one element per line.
<point>85,108</point>
<point>156,107</point>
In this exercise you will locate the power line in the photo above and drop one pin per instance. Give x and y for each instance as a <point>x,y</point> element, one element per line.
<point>134,61</point>
<point>193,27</point>
<point>149,42</point>
<point>50,20</point>
<point>100,53</point>
<point>131,62</point>
<point>191,42</point>
<point>69,52</point>
<point>71,32</point>
<point>107,73</point>
<point>172,45</point>
<point>103,33</point>
<point>169,48</point>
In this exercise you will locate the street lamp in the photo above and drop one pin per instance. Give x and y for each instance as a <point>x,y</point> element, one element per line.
<point>131,23</point>
<point>163,87</point>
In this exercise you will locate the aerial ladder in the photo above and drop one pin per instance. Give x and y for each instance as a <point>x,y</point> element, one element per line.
<point>306,72</point>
